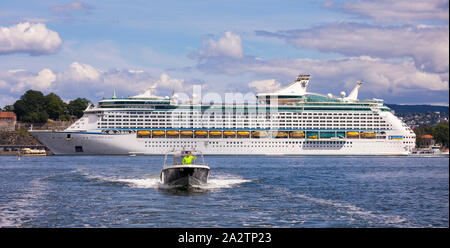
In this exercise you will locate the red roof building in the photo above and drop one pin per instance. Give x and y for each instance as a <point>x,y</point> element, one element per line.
<point>8,116</point>
<point>427,136</point>
<point>7,121</point>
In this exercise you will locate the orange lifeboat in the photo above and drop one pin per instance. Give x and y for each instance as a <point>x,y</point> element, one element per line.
<point>186,133</point>
<point>143,133</point>
<point>229,133</point>
<point>352,134</point>
<point>158,133</point>
<point>297,134</point>
<point>259,134</point>
<point>172,132</point>
<point>215,133</point>
<point>243,133</point>
<point>281,134</point>
<point>201,133</point>
<point>368,134</point>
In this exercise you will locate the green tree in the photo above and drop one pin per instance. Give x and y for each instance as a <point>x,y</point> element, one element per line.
<point>8,108</point>
<point>77,106</point>
<point>441,133</point>
<point>31,107</point>
<point>54,106</point>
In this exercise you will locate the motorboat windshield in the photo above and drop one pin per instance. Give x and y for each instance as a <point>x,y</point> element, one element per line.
<point>174,157</point>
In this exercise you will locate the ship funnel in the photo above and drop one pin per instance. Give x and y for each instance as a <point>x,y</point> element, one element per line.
<point>304,81</point>
<point>298,87</point>
<point>353,96</point>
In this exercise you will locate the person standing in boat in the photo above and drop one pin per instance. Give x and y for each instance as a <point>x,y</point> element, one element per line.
<point>188,158</point>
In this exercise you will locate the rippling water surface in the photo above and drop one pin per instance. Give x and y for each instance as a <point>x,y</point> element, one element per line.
<point>243,191</point>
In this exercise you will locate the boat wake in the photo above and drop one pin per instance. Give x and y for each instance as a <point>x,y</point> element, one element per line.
<point>216,182</point>
<point>350,211</point>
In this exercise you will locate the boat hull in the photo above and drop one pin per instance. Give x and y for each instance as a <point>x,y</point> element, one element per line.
<point>86,143</point>
<point>185,176</point>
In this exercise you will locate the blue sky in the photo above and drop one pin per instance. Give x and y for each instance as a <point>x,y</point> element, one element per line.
<point>88,48</point>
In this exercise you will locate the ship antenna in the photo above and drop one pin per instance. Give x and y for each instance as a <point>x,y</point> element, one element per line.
<point>114,94</point>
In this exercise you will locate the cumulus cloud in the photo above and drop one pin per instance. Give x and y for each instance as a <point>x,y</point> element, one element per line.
<point>395,10</point>
<point>73,6</point>
<point>84,80</point>
<point>269,85</point>
<point>381,76</point>
<point>427,45</point>
<point>31,38</point>
<point>19,80</point>
<point>79,72</point>
<point>228,45</point>
<point>170,83</point>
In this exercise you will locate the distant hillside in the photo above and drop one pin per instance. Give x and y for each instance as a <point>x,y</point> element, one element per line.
<point>402,109</point>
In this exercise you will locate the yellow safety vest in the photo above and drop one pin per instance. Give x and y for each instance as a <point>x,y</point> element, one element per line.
<point>188,159</point>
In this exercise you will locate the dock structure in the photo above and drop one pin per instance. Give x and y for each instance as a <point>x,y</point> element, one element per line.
<point>10,148</point>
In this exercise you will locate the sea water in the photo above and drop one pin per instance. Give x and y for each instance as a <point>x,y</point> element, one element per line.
<point>243,191</point>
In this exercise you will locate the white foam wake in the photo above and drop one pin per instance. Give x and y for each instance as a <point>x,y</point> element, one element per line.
<point>153,182</point>
<point>142,183</point>
<point>224,181</point>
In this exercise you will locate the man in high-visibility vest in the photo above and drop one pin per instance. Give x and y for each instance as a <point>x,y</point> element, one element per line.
<point>188,158</point>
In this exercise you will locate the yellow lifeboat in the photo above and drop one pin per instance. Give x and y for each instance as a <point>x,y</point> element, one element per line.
<point>259,134</point>
<point>158,133</point>
<point>368,134</point>
<point>297,134</point>
<point>281,134</point>
<point>243,133</point>
<point>312,137</point>
<point>186,133</point>
<point>215,133</point>
<point>352,134</point>
<point>172,132</point>
<point>229,133</point>
<point>201,133</point>
<point>143,133</point>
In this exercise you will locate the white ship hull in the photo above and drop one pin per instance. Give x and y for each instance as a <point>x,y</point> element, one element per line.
<point>84,143</point>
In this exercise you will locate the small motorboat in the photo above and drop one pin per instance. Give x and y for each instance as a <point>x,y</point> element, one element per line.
<point>186,169</point>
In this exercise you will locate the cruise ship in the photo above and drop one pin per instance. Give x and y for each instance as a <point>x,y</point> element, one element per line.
<point>290,121</point>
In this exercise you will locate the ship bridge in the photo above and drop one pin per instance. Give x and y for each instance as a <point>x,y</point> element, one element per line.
<point>146,100</point>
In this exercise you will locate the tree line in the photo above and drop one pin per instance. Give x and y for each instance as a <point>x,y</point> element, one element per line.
<point>35,107</point>
<point>440,132</point>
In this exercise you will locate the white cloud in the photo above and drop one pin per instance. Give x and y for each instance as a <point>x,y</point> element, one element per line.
<point>427,45</point>
<point>396,10</point>
<point>228,45</point>
<point>383,77</point>
<point>84,80</point>
<point>31,38</point>
<point>19,80</point>
<point>43,80</point>
<point>269,85</point>
<point>79,72</point>
<point>170,83</point>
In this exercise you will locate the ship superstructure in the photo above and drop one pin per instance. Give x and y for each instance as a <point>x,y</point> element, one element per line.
<point>290,121</point>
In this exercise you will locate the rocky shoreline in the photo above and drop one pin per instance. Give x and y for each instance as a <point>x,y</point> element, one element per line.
<point>17,139</point>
